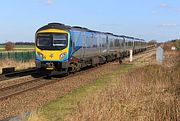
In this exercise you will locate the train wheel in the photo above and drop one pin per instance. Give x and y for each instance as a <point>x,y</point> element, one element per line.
<point>120,61</point>
<point>67,72</point>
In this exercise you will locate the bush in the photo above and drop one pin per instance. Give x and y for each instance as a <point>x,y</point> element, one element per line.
<point>177,43</point>
<point>9,46</point>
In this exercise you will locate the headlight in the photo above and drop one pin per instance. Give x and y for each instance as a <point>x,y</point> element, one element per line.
<point>62,55</point>
<point>40,55</point>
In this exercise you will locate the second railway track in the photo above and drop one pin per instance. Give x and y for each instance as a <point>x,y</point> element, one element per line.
<point>35,83</point>
<point>17,74</point>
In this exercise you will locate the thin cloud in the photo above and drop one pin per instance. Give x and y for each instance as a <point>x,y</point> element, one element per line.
<point>169,25</point>
<point>163,5</point>
<point>169,7</point>
<point>49,2</point>
<point>177,9</point>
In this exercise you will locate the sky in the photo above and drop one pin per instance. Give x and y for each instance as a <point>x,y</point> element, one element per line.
<point>147,19</point>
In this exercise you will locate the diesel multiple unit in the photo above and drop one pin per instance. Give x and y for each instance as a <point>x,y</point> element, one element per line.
<point>63,48</point>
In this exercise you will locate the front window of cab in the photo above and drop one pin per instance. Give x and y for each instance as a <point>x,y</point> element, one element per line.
<point>52,41</point>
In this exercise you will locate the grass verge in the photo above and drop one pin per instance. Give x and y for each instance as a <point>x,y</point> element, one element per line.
<point>59,108</point>
<point>150,92</point>
<point>146,93</point>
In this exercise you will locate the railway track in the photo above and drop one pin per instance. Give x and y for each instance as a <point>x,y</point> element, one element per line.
<point>11,90</point>
<point>143,54</point>
<point>17,74</point>
<point>36,83</point>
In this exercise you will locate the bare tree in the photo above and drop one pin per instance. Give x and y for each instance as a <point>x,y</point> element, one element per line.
<point>9,46</point>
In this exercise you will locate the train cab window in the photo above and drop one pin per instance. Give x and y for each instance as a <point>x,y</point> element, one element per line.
<point>59,40</point>
<point>44,40</point>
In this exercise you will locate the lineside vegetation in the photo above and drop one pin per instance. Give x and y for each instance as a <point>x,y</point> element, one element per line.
<point>19,65</point>
<point>146,93</point>
<point>150,92</point>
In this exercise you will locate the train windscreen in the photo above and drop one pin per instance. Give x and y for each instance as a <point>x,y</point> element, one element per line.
<point>59,39</point>
<point>52,41</point>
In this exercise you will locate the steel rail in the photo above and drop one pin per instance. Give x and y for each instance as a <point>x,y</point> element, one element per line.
<point>38,82</point>
<point>11,90</point>
<point>21,73</point>
<point>41,82</point>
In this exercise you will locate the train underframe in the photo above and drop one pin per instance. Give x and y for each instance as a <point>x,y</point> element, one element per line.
<point>74,65</point>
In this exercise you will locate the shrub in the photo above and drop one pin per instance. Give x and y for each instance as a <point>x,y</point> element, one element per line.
<point>9,46</point>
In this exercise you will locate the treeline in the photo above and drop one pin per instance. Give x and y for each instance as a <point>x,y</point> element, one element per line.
<point>19,43</point>
<point>24,43</point>
<point>176,42</point>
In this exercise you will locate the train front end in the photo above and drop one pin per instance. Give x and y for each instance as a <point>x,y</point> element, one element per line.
<point>52,47</point>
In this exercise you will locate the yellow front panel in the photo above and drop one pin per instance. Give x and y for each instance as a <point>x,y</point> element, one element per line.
<point>52,55</point>
<point>53,31</point>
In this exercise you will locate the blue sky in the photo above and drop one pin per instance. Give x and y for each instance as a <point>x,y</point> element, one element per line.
<point>148,19</point>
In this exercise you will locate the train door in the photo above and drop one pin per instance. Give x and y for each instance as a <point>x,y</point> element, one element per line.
<point>72,44</point>
<point>84,39</point>
<point>98,36</point>
<point>133,44</point>
<point>107,43</point>
<point>103,44</point>
<point>120,45</point>
<point>124,44</point>
<point>77,44</point>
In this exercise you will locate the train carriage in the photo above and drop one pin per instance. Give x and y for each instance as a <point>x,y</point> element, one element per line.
<point>68,49</point>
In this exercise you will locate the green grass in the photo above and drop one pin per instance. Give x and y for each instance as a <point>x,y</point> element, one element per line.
<point>24,46</point>
<point>57,109</point>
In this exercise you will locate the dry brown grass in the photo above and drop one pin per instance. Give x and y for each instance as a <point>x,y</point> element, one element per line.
<point>146,93</point>
<point>171,58</point>
<point>34,116</point>
<point>19,65</point>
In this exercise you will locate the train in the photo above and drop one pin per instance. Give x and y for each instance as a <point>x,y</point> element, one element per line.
<point>63,48</point>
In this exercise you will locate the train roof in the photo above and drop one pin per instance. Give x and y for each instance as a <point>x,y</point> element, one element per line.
<point>127,37</point>
<point>108,33</point>
<point>66,27</point>
<point>79,28</point>
<point>135,39</point>
<point>84,29</point>
<point>139,39</point>
<point>54,26</point>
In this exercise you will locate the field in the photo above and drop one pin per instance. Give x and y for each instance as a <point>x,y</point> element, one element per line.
<point>18,59</point>
<point>144,91</point>
<point>19,47</point>
<point>21,57</point>
<point>19,65</point>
